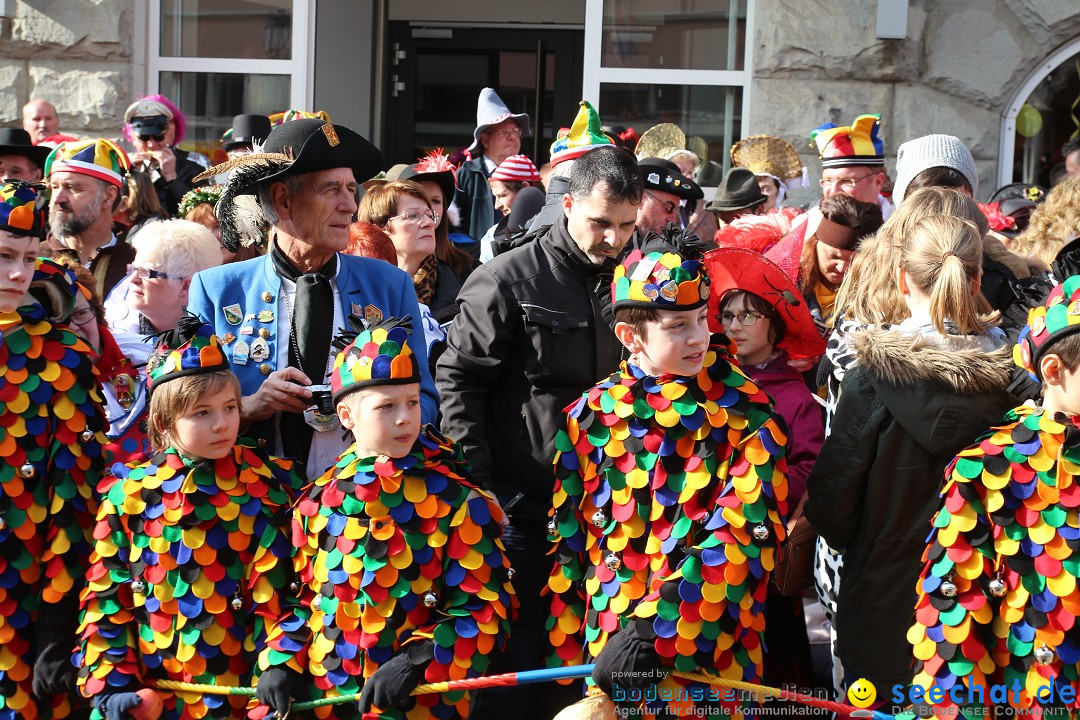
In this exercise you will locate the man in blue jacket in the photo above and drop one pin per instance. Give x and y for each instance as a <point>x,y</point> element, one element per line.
<point>277,314</point>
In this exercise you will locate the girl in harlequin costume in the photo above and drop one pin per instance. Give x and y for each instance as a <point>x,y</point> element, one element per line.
<point>997,598</point>
<point>669,498</point>
<point>192,548</point>
<point>406,578</point>
<point>51,430</point>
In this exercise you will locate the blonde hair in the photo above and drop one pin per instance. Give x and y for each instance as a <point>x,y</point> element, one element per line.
<point>1051,224</point>
<point>942,257</point>
<point>181,248</point>
<point>869,293</point>
<point>171,400</point>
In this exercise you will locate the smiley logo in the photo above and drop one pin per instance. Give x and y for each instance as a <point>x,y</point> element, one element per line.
<point>862,693</point>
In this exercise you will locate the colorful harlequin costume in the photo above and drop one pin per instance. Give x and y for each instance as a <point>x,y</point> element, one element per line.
<point>395,553</point>
<point>51,434</point>
<point>998,597</point>
<point>191,558</point>
<point>669,499</point>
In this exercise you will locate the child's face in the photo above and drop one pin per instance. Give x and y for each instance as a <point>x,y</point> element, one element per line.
<point>753,341</point>
<point>208,429</point>
<point>385,419</point>
<point>675,344</point>
<point>18,254</point>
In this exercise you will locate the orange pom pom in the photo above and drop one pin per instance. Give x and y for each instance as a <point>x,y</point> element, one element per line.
<point>150,707</point>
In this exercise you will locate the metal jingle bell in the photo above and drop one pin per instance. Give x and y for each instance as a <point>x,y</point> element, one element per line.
<point>705,516</point>
<point>138,586</point>
<point>510,573</point>
<point>552,529</point>
<point>87,435</point>
<point>997,587</point>
<point>761,533</point>
<point>1044,655</point>
<point>316,602</point>
<point>948,588</point>
<point>237,604</point>
<point>613,562</point>
<point>429,599</point>
<point>26,471</point>
<point>599,519</point>
<point>3,525</point>
<point>294,587</point>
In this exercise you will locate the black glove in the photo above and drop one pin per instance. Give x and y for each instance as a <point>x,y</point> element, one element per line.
<point>53,672</point>
<point>116,705</point>
<point>277,688</point>
<point>392,684</point>
<point>629,659</point>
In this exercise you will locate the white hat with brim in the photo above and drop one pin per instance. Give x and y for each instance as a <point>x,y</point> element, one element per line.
<point>490,111</point>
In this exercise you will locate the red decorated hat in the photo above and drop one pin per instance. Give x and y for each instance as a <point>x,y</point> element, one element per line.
<point>739,269</point>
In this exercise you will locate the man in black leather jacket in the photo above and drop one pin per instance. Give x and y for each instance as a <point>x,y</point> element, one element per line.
<point>532,335</point>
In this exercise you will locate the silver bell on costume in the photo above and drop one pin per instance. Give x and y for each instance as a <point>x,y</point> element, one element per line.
<point>1044,655</point>
<point>552,529</point>
<point>997,587</point>
<point>612,562</point>
<point>26,471</point>
<point>429,599</point>
<point>138,586</point>
<point>599,519</point>
<point>87,435</point>
<point>237,603</point>
<point>761,533</point>
<point>948,588</point>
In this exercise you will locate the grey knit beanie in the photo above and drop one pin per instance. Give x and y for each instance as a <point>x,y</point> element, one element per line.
<point>932,151</point>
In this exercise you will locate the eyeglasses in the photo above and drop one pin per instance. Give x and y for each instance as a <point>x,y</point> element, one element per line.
<point>746,319</point>
<point>160,137</point>
<point>507,133</point>
<point>417,216</point>
<point>669,207</point>
<point>149,274</point>
<point>845,183</point>
<point>83,316</point>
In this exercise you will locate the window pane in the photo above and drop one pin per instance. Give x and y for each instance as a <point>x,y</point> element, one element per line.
<point>210,100</point>
<point>705,111</point>
<point>1045,123</point>
<point>259,29</point>
<point>699,34</point>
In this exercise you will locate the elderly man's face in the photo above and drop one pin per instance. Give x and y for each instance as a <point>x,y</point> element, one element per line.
<point>77,201</point>
<point>502,140</point>
<point>149,143</point>
<point>320,213</point>
<point>860,182</point>
<point>657,209</point>
<point>39,119</point>
<point>17,167</point>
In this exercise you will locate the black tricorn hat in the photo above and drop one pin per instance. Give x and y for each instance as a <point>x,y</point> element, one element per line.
<point>298,147</point>
<point>16,141</point>
<point>665,176</point>
<point>739,190</point>
<point>246,129</point>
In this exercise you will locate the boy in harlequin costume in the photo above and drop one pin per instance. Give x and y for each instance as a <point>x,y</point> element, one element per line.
<point>670,495</point>
<point>998,598</point>
<point>407,581</point>
<point>192,548</point>
<point>51,433</point>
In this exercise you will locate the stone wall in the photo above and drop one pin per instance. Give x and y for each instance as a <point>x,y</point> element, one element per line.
<point>954,73</point>
<point>77,54</point>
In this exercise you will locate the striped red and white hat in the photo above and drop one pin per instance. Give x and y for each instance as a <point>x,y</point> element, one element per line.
<point>516,168</point>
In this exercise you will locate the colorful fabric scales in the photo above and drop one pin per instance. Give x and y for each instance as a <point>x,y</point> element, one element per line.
<point>190,562</point>
<point>51,433</point>
<point>669,503</point>
<point>998,597</point>
<point>394,550</point>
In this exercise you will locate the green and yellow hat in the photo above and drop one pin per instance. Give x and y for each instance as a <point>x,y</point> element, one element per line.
<point>670,277</point>
<point>1056,318</point>
<point>23,208</point>
<point>376,355</point>
<point>190,349</point>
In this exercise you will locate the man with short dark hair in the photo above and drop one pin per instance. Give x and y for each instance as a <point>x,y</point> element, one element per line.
<point>85,178</point>
<point>532,334</point>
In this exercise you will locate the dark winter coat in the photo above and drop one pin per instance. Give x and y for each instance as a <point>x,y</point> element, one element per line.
<point>529,339</point>
<point>170,193</point>
<point>910,403</point>
<point>474,198</point>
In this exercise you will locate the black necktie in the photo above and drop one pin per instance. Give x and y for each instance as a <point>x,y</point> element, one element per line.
<point>309,339</point>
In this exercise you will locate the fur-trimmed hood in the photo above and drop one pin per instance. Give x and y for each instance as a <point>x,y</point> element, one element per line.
<point>939,388</point>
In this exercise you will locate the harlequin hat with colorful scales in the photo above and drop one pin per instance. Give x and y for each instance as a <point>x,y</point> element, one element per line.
<point>666,273</point>
<point>190,349</point>
<point>1050,321</point>
<point>24,208</point>
<point>373,355</point>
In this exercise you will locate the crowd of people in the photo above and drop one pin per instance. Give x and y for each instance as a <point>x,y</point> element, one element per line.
<point>307,424</point>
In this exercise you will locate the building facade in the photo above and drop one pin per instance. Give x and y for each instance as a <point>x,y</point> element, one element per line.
<point>1003,75</point>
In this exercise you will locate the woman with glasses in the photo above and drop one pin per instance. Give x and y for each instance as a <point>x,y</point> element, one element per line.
<point>167,255</point>
<point>403,210</point>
